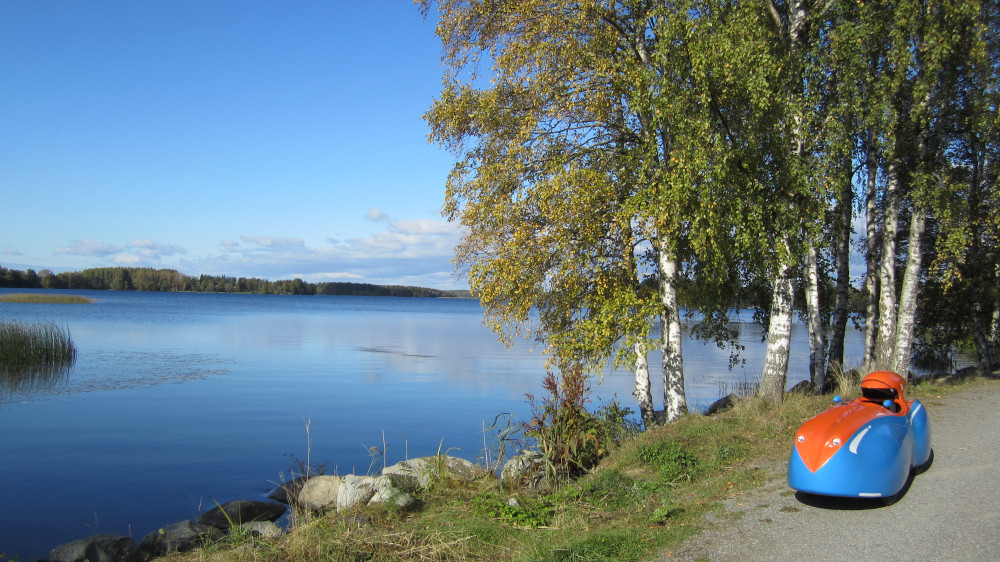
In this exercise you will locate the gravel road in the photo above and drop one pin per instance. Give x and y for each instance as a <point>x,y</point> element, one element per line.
<point>950,512</point>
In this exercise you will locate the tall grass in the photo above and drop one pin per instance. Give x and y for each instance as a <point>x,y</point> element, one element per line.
<point>33,354</point>
<point>44,298</point>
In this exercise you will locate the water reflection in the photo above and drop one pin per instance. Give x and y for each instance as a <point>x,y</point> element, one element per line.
<point>29,380</point>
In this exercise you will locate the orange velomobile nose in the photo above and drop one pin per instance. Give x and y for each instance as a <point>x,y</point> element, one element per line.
<point>822,436</point>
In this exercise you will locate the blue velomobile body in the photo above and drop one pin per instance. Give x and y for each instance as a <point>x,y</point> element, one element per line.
<point>864,448</point>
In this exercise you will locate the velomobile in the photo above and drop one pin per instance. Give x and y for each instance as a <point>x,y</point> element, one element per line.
<point>866,448</point>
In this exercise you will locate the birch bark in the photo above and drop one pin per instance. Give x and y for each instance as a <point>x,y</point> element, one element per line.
<point>842,251</point>
<point>887,273</point>
<point>642,391</point>
<point>779,335</point>
<point>817,347</point>
<point>903,344</point>
<point>674,400</point>
<point>871,255</point>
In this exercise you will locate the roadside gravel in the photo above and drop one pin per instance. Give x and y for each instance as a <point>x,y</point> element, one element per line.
<point>950,512</point>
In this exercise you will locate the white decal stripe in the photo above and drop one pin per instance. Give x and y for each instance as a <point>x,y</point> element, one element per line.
<point>857,440</point>
<point>915,410</point>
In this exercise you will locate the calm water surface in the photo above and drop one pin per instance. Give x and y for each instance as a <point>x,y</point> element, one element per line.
<point>179,400</point>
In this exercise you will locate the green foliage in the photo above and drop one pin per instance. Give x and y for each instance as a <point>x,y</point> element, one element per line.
<point>615,490</point>
<point>571,438</point>
<point>518,512</point>
<point>612,545</point>
<point>672,460</point>
<point>567,434</point>
<point>663,514</point>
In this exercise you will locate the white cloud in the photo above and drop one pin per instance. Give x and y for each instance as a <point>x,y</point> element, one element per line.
<point>88,248</point>
<point>376,215</point>
<point>277,243</point>
<point>154,250</point>
<point>233,246</point>
<point>329,276</point>
<point>9,251</point>
<point>128,259</point>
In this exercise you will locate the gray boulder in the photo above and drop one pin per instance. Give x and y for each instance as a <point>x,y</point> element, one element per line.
<point>803,387</point>
<point>425,469</point>
<point>177,537</point>
<point>354,491</point>
<point>96,548</point>
<point>319,492</point>
<point>722,404</point>
<point>370,490</point>
<point>237,512</point>
<point>386,491</point>
<point>526,468</point>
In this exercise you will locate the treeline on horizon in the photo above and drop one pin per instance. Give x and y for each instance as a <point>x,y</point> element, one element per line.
<point>170,280</point>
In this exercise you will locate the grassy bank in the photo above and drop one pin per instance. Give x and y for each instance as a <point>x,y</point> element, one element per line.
<point>44,298</point>
<point>648,495</point>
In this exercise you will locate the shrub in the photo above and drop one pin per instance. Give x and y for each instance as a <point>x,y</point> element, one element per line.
<point>568,436</point>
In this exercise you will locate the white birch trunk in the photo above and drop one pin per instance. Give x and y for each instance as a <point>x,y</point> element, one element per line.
<point>779,335</point>
<point>642,391</point>
<point>871,259</point>
<point>674,399</point>
<point>842,251</point>
<point>887,274</point>
<point>903,344</point>
<point>817,346</point>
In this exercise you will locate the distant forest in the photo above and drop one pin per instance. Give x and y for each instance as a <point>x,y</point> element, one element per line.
<point>170,280</point>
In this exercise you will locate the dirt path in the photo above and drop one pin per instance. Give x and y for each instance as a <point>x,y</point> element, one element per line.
<point>950,512</point>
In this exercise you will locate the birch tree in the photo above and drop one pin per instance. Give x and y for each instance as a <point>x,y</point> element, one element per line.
<point>560,178</point>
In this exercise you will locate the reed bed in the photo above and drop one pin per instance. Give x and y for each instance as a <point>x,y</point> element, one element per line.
<point>44,298</point>
<point>33,354</point>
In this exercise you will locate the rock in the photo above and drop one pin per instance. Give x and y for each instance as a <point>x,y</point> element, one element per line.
<point>724,403</point>
<point>425,469</point>
<point>241,511</point>
<point>386,491</point>
<point>370,490</point>
<point>803,387</point>
<point>526,468</point>
<point>355,490</point>
<point>263,529</point>
<point>319,492</point>
<point>177,537</point>
<point>96,548</point>
<point>286,492</point>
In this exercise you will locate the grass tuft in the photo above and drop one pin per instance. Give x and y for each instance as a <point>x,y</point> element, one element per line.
<point>45,298</point>
<point>33,355</point>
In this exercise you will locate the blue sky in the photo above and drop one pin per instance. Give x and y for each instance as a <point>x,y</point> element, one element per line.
<point>258,139</point>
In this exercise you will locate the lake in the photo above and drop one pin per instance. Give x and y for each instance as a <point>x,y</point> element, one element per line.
<point>179,400</point>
